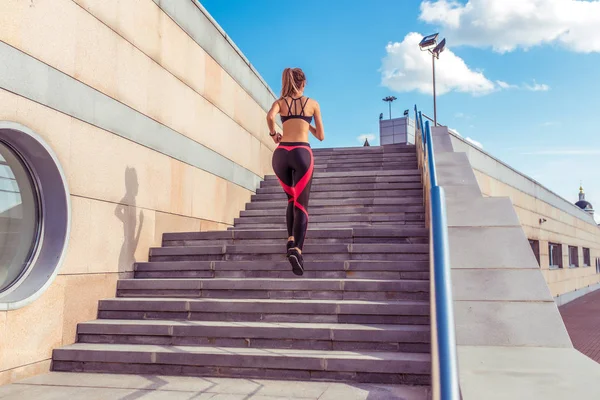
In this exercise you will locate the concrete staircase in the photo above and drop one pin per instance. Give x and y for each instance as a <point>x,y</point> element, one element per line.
<point>227,304</point>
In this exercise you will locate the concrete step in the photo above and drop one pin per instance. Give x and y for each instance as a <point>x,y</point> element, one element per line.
<point>266,288</point>
<point>365,163</point>
<point>334,183</point>
<point>281,269</point>
<point>391,338</point>
<point>331,211</point>
<point>274,248</point>
<point>311,252</point>
<point>388,149</point>
<point>407,312</point>
<point>349,187</point>
<point>375,168</point>
<point>376,159</point>
<point>383,367</point>
<point>329,225</point>
<point>180,238</point>
<point>355,194</point>
<point>352,174</point>
<point>318,218</point>
<point>341,202</point>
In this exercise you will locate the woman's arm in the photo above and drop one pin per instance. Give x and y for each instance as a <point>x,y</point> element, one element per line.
<point>318,131</point>
<point>271,120</point>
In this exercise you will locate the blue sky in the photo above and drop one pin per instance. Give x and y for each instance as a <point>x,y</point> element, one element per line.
<point>522,80</point>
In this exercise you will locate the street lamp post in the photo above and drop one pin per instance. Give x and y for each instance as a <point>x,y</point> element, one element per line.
<point>429,43</point>
<point>389,99</point>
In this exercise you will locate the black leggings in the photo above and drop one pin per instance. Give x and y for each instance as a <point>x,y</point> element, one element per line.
<point>293,164</point>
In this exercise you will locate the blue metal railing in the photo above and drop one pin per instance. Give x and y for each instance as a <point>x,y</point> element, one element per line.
<point>449,388</point>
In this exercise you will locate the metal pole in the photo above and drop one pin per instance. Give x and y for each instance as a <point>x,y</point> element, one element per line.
<point>390,103</point>
<point>434,105</point>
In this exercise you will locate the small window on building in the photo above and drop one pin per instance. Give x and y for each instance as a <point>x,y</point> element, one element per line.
<point>586,257</point>
<point>573,257</point>
<point>535,247</point>
<point>555,255</point>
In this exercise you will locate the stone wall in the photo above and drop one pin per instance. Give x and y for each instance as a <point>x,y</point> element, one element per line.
<point>158,122</point>
<point>565,223</point>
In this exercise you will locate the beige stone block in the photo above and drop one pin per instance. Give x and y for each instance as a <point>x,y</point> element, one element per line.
<point>137,20</point>
<point>110,231</point>
<point>3,333</point>
<point>195,67</point>
<point>52,126</point>
<point>90,173</point>
<point>77,258</point>
<point>241,110</point>
<point>96,54</point>
<point>24,372</point>
<point>212,80</point>
<point>33,331</point>
<point>266,158</point>
<point>254,155</point>
<point>165,95</point>
<point>174,46</point>
<point>556,288</point>
<point>181,188</point>
<point>166,223</point>
<point>133,75</point>
<point>44,29</point>
<point>207,226</point>
<point>209,196</point>
<point>228,94</point>
<point>133,173</point>
<point>222,227</point>
<point>82,293</point>
<point>236,199</point>
<point>119,234</point>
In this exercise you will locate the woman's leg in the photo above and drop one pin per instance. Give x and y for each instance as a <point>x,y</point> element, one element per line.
<point>303,171</point>
<point>284,173</point>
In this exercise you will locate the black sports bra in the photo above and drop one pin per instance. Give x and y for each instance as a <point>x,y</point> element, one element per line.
<point>299,116</point>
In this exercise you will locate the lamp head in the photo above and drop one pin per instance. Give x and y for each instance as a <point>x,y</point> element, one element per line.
<point>439,48</point>
<point>428,41</point>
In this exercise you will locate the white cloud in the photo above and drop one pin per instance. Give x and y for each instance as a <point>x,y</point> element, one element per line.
<point>369,136</point>
<point>504,85</point>
<point>549,123</point>
<point>406,68</point>
<point>474,142</point>
<point>506,25</point>
<point>537,87</point>
<point>459,115</point>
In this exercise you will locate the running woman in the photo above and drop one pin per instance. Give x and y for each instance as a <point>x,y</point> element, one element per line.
<point>293,160</point>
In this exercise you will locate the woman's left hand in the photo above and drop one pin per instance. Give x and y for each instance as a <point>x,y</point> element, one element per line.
<point>277,138</point>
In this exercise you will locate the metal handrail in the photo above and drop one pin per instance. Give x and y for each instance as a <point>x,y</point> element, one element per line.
<point>431,119</point>
<point>449,388</point>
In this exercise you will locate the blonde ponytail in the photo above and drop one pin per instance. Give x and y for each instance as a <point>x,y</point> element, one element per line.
<point>291,81</point>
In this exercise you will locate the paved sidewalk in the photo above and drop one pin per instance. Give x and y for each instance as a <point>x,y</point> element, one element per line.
<point>76,386</point>
<point>582,319</point>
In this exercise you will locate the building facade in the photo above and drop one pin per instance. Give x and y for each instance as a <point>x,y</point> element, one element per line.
<point>564,237</point>
<point>119,120</point>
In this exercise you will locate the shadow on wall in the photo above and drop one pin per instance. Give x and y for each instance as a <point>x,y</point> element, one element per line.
<point>126,212</point>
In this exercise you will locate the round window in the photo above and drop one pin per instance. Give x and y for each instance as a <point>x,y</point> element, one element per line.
<point>19,217</point>
<point>35,215</point>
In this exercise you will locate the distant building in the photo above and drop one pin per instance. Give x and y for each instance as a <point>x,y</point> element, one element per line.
<point>583,203</point>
